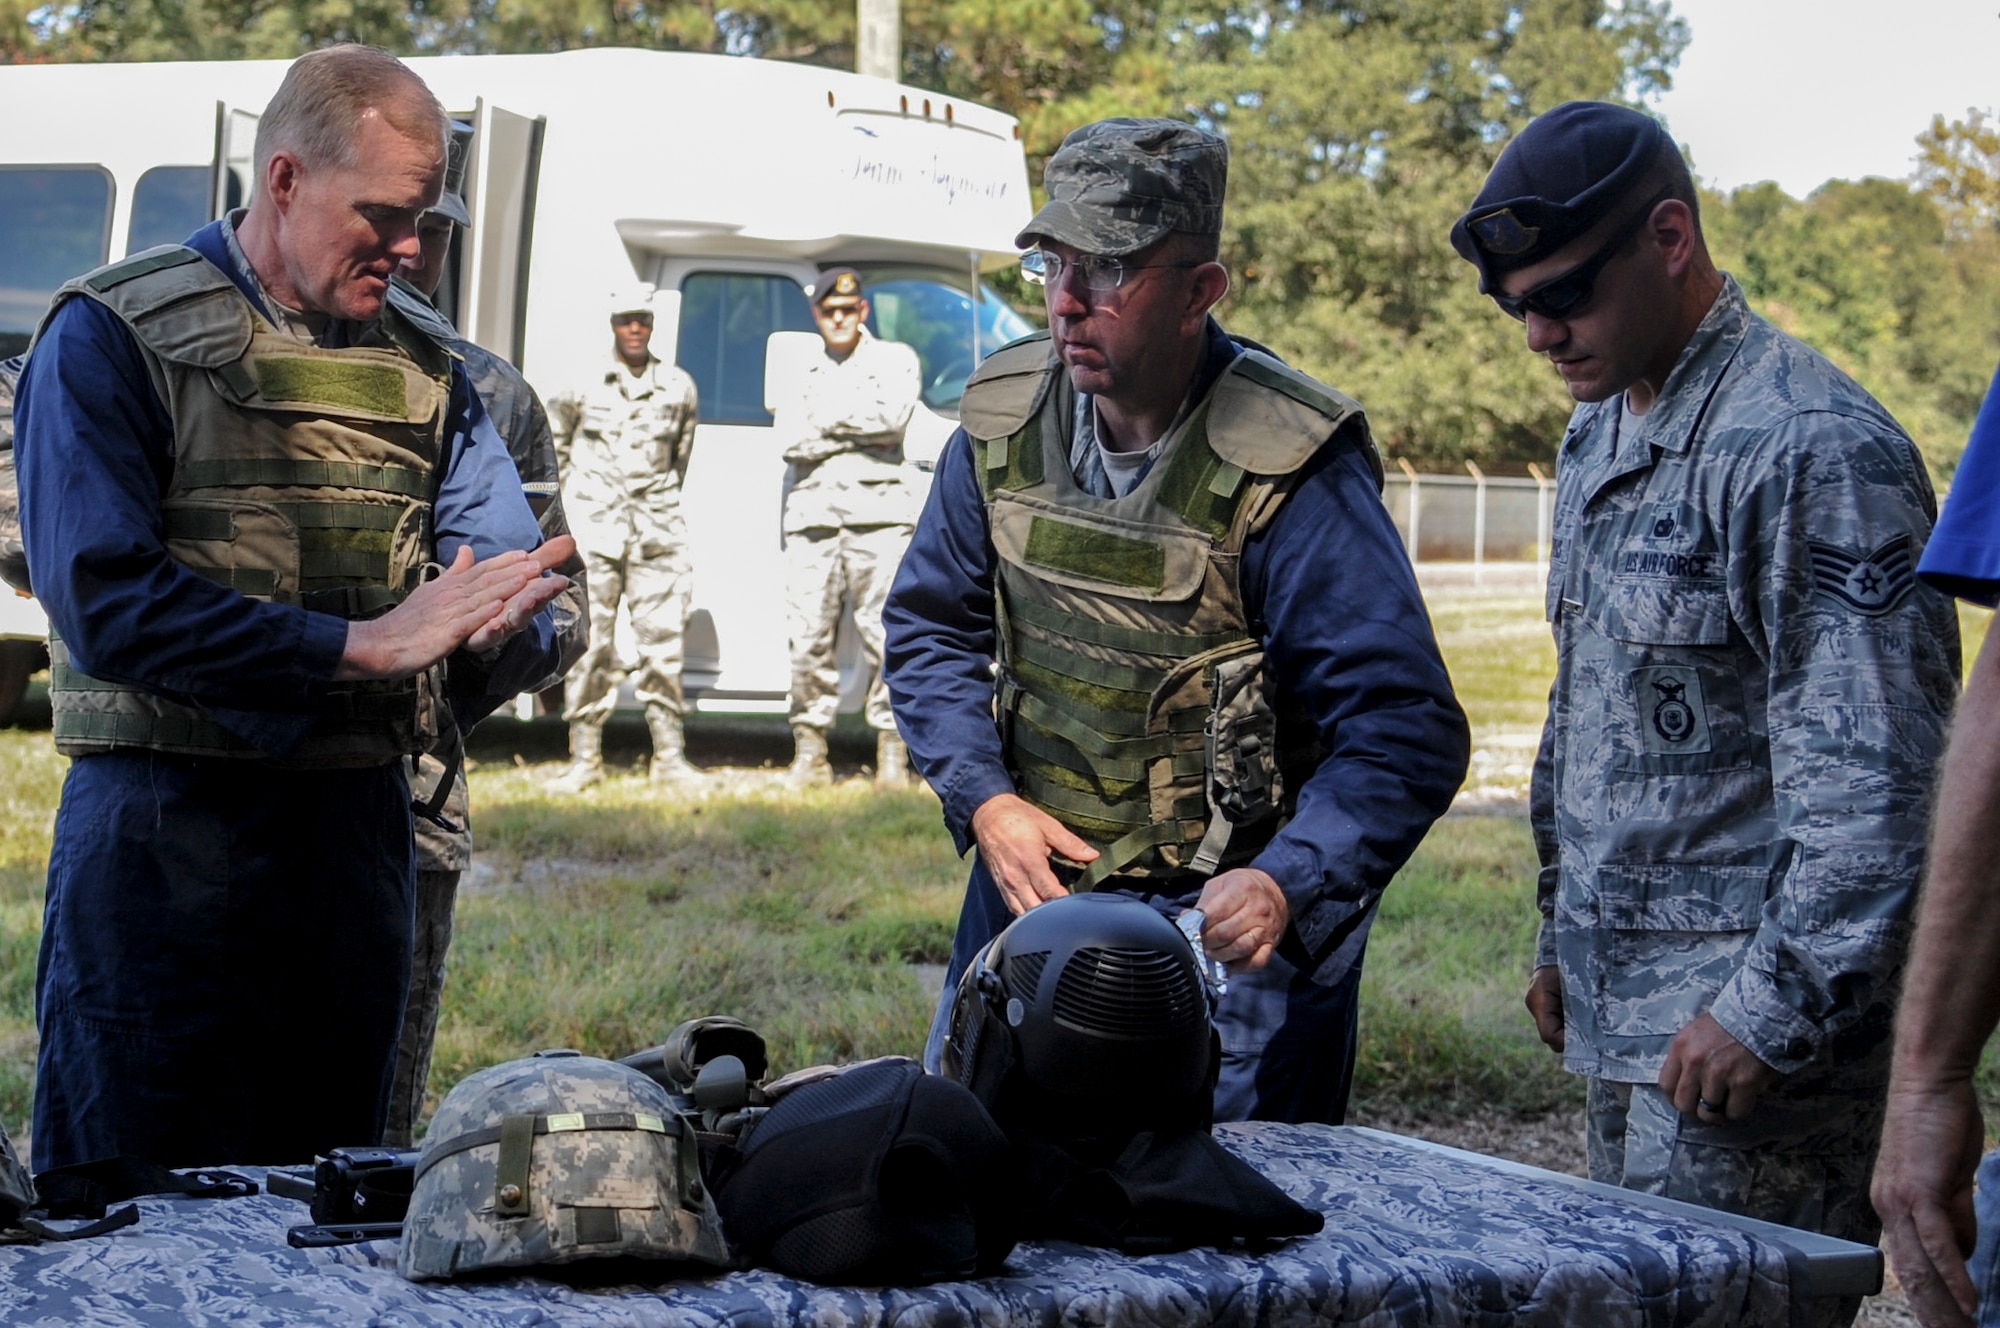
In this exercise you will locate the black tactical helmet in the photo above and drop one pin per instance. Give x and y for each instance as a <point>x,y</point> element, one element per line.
<point>1089,1012</point>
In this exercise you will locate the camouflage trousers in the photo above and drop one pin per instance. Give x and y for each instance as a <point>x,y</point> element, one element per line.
<point>827,568</point>
<point>654,582</point>
<point>437,894</point>
<point>1638,1141</point>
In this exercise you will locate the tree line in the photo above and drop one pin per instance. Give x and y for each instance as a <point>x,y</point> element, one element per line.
<point>1358,131</point>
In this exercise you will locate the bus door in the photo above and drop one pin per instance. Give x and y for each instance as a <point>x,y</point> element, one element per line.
<point>233,171</point>
<point>490,302</point>
<point>722,313</point>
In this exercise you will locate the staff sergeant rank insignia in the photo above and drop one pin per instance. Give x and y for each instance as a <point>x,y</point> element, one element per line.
<point>1872,583</point>
<point>1502,233</point>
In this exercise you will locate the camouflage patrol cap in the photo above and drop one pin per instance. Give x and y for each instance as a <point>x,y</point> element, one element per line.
<point>636,298</point>
<point>451,203</point>
<point>1117,186</point>
<point>1567,171</point>
<point>552,1159</point>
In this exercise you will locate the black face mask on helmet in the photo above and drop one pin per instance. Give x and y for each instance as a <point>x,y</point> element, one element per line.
<point>1089,1018</point>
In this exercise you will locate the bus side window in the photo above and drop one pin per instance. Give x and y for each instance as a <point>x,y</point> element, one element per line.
<point>170,203</point>
<point>726,320</point>
<point>55,223</point>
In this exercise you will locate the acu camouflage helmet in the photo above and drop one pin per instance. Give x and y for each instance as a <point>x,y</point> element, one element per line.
<point>552,1159</point>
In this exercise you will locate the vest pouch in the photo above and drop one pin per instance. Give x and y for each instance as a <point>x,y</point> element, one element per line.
<point>1244,782</point>
<point>251,547</point>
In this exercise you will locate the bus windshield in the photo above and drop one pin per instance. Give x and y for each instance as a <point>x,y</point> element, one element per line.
<point>937,319</point>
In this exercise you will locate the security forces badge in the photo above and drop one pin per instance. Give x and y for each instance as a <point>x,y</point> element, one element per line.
<point>1870,583</point>
<point>1502,233</point>
<point>1672,716</point>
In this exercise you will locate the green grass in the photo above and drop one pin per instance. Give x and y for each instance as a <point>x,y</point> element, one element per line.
<point>1442,1024</point>
<point>601,921</point>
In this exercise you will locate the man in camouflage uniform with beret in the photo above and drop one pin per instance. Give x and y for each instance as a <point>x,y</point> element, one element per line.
<point>1751,693</point>
<point>625,439</point>
<point>849,508</point>
<point>437,777</point>
<point>1216,682</point>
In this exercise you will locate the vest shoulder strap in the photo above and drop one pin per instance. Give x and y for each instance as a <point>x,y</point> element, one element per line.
<point>178,304</point>
<point>1006,391</point>
<point>1267,418</point>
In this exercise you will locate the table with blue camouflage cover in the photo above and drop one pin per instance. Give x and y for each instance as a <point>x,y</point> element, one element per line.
<point>1415,1235</point>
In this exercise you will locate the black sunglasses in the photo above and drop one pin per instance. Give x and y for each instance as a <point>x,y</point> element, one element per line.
<point>1566,295</point>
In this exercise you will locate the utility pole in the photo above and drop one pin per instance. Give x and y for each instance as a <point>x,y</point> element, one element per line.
<point>878,46</point>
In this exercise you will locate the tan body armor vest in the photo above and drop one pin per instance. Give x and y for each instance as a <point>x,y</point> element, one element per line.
<point>301,476</point>
<point>1134,700</point>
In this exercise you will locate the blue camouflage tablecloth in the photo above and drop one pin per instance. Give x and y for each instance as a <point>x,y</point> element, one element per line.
<point>1414,1236</point>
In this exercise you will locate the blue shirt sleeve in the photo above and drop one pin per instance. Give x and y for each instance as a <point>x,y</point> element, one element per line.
<point>480,503</point>
<point>1345,631</point>
<point>1963,556</point>
<point>938,650</point>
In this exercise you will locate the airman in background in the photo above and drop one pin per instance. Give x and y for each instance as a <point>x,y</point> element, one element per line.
<point>625,438</point>
<point>437,777</point>
<point>849,512</point>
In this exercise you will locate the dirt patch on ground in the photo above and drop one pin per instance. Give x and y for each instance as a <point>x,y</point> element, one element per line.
<point>1555,1143</point>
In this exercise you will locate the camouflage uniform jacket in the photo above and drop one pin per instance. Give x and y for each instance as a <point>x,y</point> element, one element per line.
<point>624,442</point>
<point>1750,701</point>
<point>523,425</point>
<point>13,555</point>
<point>846,448</point>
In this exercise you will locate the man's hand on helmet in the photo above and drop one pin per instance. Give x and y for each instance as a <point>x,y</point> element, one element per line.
<point>1247,917</point>
<point>1015,841</point>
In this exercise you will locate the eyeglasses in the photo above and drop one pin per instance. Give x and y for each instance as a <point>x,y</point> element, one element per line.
<point>839,312</point>
<point>1567,295</point>
<point>1102,275</point>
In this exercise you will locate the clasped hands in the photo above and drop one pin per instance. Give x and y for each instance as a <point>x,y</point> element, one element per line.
<point>477,604</point>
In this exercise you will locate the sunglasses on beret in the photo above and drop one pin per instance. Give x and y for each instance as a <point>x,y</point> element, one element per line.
<point>1569,294</point>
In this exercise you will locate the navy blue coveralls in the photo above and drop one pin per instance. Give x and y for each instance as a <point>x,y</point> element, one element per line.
<point>225,945</point>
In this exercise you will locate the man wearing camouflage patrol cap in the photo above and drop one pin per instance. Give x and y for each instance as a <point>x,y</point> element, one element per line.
<point>1750,698</point>
<point>1216,680</point>
<point>625,437</point>
<point>849,508</point>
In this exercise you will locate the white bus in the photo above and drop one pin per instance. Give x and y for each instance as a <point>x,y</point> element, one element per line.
<point>727,183</point>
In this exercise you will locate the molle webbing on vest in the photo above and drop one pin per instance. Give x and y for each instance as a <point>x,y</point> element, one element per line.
<point>289,473</point>
<point>301,475</point>
<point>1132,693</point>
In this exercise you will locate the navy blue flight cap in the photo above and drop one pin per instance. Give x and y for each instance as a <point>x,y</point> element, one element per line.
<point>1559,177</point>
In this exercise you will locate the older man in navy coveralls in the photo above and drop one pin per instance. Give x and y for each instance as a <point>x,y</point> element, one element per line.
<point>1161,532</point>
<point>235,468</point>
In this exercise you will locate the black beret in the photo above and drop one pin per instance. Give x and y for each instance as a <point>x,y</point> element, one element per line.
<point>834,281</point>
<point>1559,177</point>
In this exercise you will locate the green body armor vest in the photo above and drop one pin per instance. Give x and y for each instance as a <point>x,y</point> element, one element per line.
<point>1133,697</point>
<point>301,476</point>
